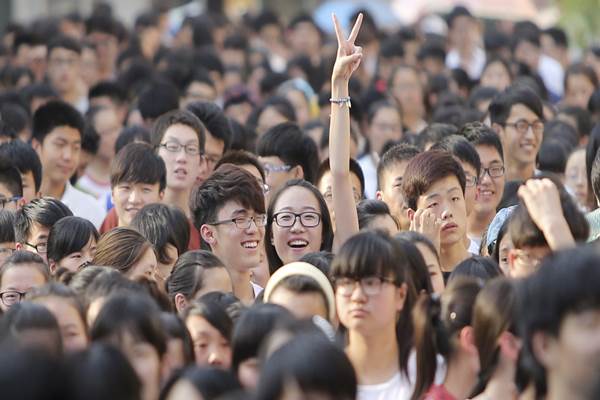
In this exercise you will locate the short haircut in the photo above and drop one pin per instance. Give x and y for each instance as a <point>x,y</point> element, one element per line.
<point>581,69</point>
<point>462,149</point>
<point>480,94</point>
<point>583,119</point>
<point>162,225</point>
<point>45,211</point>
<point>397,154</point>
<point>69,235</point>
<point>355,169</point>
<point>64,42</point>
<point>502,104</point>
<point>484,268</point>
<point>480,134</point>
<point>552,156</point>
<point>427,168</point>
<point>11,178</point>
<point>457,11</point>
<point>177,117</point>
<point>227,183</point>
<point>369,209</point>
<point>292,146</point>
<point>158,98</point>
<point>130,134</point>
<point>102,23</point>
<point>525,233</point>
<point>7,226</point>
<point>558,35</point>
<point>137,163</point>
<point>242,157</point>
<point>23,257</point>
<point>110,89</point>
<point>281,104</point>
<point>214,119</point>
<point>121,248</point>
<point>54,114</point>
<point>435,132</point>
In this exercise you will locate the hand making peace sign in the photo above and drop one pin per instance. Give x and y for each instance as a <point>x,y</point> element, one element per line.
<point>348,55</point>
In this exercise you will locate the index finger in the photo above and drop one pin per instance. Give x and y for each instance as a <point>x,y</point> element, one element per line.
<point>339,32</point>
<point>355,28</point>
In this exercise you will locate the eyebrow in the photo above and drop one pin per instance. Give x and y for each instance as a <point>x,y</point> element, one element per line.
<point>292,209</point>
<point>239,211</point>
<point>432,195</point>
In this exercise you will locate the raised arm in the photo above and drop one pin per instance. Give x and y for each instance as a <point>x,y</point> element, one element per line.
<point>347,61</point>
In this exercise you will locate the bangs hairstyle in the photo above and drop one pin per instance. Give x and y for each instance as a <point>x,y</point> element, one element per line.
<point>69,235</point>
<point>227,183</point>
<point>177,117</point>
<point>45,211</point>
<point>54,114</point>
<point>23,258</point>
<point>326,226</point>
<point>188,271</point>
<point>61,291</point>
<point>24,158</point>
<point>462,149</point>
<point>214,313</point>
<point>137,163</point>
<point>427,168</point>
<point>502,104</point>
<point>121,248</point>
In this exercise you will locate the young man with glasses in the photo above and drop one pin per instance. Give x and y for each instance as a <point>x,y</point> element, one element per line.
<point>20,273</point>
<point>229,211</point>
<point>517,116</point>
<point>33,222</point>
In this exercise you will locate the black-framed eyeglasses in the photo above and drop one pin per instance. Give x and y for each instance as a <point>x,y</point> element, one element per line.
<point>244,222</point>
<point>493,172</point>
<point>175,147</point>
<point>41,248</point>
<point>287,219</point>
<point>11,297</point>
<point>522,126</point>
<point>5,201</point>
<point>370,285</point>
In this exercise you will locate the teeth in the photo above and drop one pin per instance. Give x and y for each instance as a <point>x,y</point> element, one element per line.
<point>486,193</point>
<point>298,243</point>
<point>250,245</point>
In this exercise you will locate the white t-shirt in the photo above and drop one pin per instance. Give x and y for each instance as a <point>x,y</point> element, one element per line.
<point>397,388</point>
<point>369,170</point>
<point>89,185</point>
<point>83,205</point>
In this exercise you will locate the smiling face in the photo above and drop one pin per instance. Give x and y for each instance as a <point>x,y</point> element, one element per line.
<point>129,198</point>
<point>520,149</point>
<point>291,243</point>
<point>182,168</point>
<point>490,188</point>
<point>73,261</point>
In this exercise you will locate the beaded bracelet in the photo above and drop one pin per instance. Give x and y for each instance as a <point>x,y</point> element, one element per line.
<point>342,101</point>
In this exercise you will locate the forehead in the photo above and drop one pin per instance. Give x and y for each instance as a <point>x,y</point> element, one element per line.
<point>4,192</point>
<point>38,230</point>
<point>442,186</point>
<point>65,132</point>
<point>230,207</point>
<point>296,197</point>
<point>393,171</point>
<point>181,132</point>
<point>521,111</point>
<point>62,51</point>
<point>488,154</point>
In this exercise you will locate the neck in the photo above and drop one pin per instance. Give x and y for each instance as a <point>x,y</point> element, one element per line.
<point>452,254</point>
<point>53,189</point>
<point>519,171</point>
<point>99,170</point>
<point>460,379</point>
<point>375,358</point>
<point>178,198</point>
<point>558,389</point>
<point>478,223</point>
<point>242,288</point>
<point>502,384</point>
<point>71,96</point>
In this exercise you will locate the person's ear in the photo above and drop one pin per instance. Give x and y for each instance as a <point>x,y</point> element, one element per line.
<point>208,234</point>
<point>36,145</point>
<point>21,202</point>
<point>499,129</point>
<point>510,345</point>
<point>181,302</point>
<point>467,340</point>
<point>401,296</point>
<point>297,172</point>
<point>379,195</point>
<point>161,194</point>
<point>410,214</point>
<point>52,267</point>
<point>18,246</point>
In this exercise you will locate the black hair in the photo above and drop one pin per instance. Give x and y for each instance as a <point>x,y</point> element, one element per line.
<point>355,169</point>
<point>137,163</point>
<point>37,90</point>
<point>7,222</point>
<point>319,259</point>
<point>214,120</point>
<point>391,47</point>
<point>69,235</point>
<point>292,146</point>
<point>314,364</point>
<point>186,277</point>
<point>457,11</point>
<point>54,114</point>
<point>327,229</point>
<point>110,89</point>
<point>25,316</point>
<point>462,149</point>
<point>64,42</point>
<point>174,328</point>
<point>369,209</point>
<point>484,268</point>
<point>281,104</point>
<point>214,313</point>
<point>394,155</point>
<point>558,35</point>
<point>583,119</point>
<point>581,69</point>
<point>163,225</point>
<point>102,23</point>
<point>494,247</point>
<point>131,134</point>
<point>119,379</point>
<point>136,314</point>
<point>563,132</point>
<point>152,109</point>
<point>15,118</point>
<point>253,327</point>
<point>90,142</point>
<point>481,94</point>
<point>108,281</point>
<point>243,137</point>
<point>10,178</point>
<point>210,383</point>
<point>502,104</point>
<point>24,158</point>
<point>177,117</point>
<point>240,158</point>
<point>418,270</point>
<point>45,211</point>
<point>480,134</point>
<point>552,156</point>
<point>435,132</point>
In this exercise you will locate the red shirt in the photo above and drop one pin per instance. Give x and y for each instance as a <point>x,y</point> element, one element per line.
<point>438,392</point>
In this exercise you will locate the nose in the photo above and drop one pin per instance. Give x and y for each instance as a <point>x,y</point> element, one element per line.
<point>134,196</point>
<point>214,358</point>
<point>358,294</point>
<point>446,214</point>
<point>297,226</point>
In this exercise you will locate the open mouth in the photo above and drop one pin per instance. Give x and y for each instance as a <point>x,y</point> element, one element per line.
<point>298,244</point>
<point>180,172</point>
<point>250,244</point>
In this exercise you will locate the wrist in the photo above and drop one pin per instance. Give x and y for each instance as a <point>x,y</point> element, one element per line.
<point>339,87</point>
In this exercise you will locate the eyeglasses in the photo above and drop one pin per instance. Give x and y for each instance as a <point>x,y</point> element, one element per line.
<point>287,219</point>
<point>527,258</point>
<point>5,201</point>
<point>269,168</point>
<point>493,172</point>
<point>175,147</point>
<point>470,180</point>
<point>371,285</point>
<point>11,297</point>
<point>522,126</point>
<point>41,248</point>
<point>244,222</point>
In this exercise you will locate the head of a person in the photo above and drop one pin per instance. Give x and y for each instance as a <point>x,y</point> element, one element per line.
<point>131,322</point>
<point>517,117</point>
<point>375,214</point>
<point>7,234</point>
<point>110,94</point>
<point>199,87</point>
<point>576,177</point>
<point>25,159</point>
<point>210,328</point>
<point>229,211</point>
<point>526,44</point>
<point>194,274</point>
<point>104,121</point>
<point>132,134</point>
<point>308,367</point>
<point>384,125</point>
<point>434,180</point>
<point>33,222</point>
<point>127,251</point>
<point>149,108</point>
<point>484,268</point>
<point>11,187</point>
<point>324,181</point>
<point>430,257</point>
<point>179,139</point>
<point>248,161</point>
<point>180,350</point>
<point>298,223</point>
<point>167,228</point>
<point>68,310</point>
<point>407,89</point>
<point>559,324</point>
<point>529,243</point>
<point>201,383</point>
<point>580,83</point>
<point>19,274</point>
<point>64,58</point>
<point>274,111</point>
<point>137,177</point>
<point>287,153</point>
<point>71,244</point>
<point>496,74</point>
<point>390,174</point>
<point>462,28</point>
<point>57,134</point>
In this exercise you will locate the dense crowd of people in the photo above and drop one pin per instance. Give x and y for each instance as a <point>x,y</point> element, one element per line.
<point>255,209</point>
